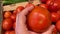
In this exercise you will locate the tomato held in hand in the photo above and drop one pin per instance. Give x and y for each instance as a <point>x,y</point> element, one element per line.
<point>58,25</point>
<point>7,24</point>
<point>13,17</point>
<point>10,32</point>
<point>14,25</point>
<point>55,17</point>
<point>7,14</point>
<point>44,6</point>
<point>39,19</point>
<point>18,9</point>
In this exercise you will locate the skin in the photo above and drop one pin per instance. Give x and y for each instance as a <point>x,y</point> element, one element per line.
<point>21,26</point>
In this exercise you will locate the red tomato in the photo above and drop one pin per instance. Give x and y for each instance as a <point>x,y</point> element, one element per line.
<point>39,19</point>
<point>13,17</point>
<point>7,14</point>
<point>55,31</point>
<point>58,25</point>
<point>55,17</point>
<point>10,32</point>
<point>18,9</point>
<point>43,1</point>
<point>14,25</point>
<point>44,6</point>
<point>29,4</point>
<point>7,24</point>
<point>58,12</point>
<point>53,5</point>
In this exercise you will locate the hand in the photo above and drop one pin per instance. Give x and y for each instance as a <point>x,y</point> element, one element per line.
<point>21,26</point>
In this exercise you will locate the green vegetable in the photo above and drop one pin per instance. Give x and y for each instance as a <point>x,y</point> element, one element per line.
<point>7,2</point>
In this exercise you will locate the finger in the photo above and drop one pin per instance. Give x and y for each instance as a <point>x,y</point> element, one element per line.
<point>31,32</point>
<point>26,10</point>
<point>50,30</point>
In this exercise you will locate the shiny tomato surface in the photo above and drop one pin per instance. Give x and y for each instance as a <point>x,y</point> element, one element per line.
<point>39,19</point>
<point>55,17</point>
<point>53,5</point>
<point>7,24</point>
<point>7,14</point>
<point>44,6</point>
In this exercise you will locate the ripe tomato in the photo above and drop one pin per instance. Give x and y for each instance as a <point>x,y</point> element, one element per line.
<point>13,17</point>
<point>53,5</point>
<point>55,31</point>
<point>10,32</point>
<point>7,14</point>
<point>58,25</point>
<point>7,24</point>
<point>55,17</point>
<point>14,25</point>
<point>18,9</point>
<point>29,4</point>
<point>39,19</point>
<point>43,1</point>
<point>58,12</point>
<point>44,6</point>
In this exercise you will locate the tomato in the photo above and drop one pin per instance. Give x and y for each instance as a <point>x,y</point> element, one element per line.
<point>29,4</point>
<point>13,17</point>
<point>39,19</point>
<point>18,9</point>
<point>44,6</point>
<point>10,32</point>
<point>55,31</point>
<point>55,17</point>
<point>58,12</point>
<point>14,25</point>
<point>43,1</point>
<point>7,24</point>
<point>7,14</point>
<point>53,5</point>
<point>58,25</point>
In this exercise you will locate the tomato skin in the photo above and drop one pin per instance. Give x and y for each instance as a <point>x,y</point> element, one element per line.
<point>7,14</point>
<point>53,5</point>
<point>13,17</point>
<point>55,17</point>
<point>18,9</point>
<point>58,12</point>
<point>43,1</point>
<point>44,6</point>
<point>14,25</point>
<point>7,24</point>
<point>29,4</point>
<point>58,25</point>
<point>10,32</point>
<point>39,19</point>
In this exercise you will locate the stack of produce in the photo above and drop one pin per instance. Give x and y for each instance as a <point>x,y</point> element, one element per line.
<point>38,20</point>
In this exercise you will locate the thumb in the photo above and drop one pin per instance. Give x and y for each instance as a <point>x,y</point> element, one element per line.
<point>50,30</point>
<point>26,10</point>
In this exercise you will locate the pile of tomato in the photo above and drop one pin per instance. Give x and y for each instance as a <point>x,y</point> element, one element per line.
<point>38,20</point>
